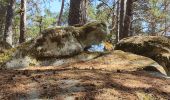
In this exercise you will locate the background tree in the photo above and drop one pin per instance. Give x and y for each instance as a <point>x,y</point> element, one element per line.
<point>61,12</point>
<point>144,17</point>
<point>3,8</point>
<point>128,18</point>
<point>121,19</point>
<point>77,12</point>
<point>22,21</point>
<point>9,19</point>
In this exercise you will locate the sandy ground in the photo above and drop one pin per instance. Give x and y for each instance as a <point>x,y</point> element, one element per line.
<point>68,84</point>
<point>111,77</point>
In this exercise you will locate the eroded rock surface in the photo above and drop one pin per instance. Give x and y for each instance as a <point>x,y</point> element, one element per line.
<point>64,47</point>
<point>120,61</point>
<point>57,42</point>
<point>112,61</point>
<point>154,47</point>
<point>68,41</point>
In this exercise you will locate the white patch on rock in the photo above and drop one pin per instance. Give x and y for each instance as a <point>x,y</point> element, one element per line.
<point>20,62</point>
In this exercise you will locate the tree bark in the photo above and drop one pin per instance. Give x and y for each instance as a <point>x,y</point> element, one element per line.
<point>3,10</point>
<point>121,20</point>
<point>153,28</point>
<point>117,21</point>
<point>128,17</point>
<point>9,20</point>
<point>61,12</point>
<point>165,19</point>
<point>40,23</point>
<point>22,21</point>
<point>77,12</point>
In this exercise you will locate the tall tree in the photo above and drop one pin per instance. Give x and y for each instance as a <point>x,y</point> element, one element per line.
<point>77,12</point>
<point>117,22</point>
<point>9,19</point>
<point>121,19</point>
<point>22,21</point>
<point>128,17</point>
<point>61,12</point>
<point>2,16</point>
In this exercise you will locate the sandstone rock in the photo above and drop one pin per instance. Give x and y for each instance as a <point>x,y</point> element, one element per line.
<point>21,62</point>
<point>63,47</point>
<point>57,42</point>
<point>109,61</point>
<point>154,47</point>
<point>67,41</point>
<point>119,61</point>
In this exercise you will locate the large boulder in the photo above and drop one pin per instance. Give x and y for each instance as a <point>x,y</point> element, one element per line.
<point>119,61</point>
<point>57,42</point>
<point>67,41</point>
<point>154,47</point>
<point>109,61</point>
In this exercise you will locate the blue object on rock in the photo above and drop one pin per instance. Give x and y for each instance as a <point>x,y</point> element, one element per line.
<point>97,48</point>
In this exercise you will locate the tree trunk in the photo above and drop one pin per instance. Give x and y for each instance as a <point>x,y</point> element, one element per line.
<point>128,17</point>
<point>2,18</point>
<point>165,19</point>
<point>61,12</point>
<point>121,19</point>
<point>9,20</point>
<point>117,23</point>
<point>153,28</point>
<point>77,12</point>
<point>22,21</point>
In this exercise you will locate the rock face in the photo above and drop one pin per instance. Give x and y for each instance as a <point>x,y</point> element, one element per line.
<point>59,42</point>
<point>122,61</point>
<point>154,47</point>
<point>111,61</point>
<point>67,41</point>
<point>63,47</point>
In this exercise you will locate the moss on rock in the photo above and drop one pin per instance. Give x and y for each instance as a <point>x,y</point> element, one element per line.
<point>154,47</point>
<point>59,42</point>
<point>4,46</point>
<point>66,41</point>
<point>14,53</point>
<point>5,56</point>
<point>117,61</point>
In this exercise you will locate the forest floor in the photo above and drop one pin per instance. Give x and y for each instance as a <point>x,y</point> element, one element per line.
<point>72,83</point>
<point>81,84</point>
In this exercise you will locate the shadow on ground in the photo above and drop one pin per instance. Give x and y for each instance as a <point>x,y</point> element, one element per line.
<point>81,84</point>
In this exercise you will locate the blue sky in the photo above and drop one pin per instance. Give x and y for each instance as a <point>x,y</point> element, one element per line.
<point>55,5</point>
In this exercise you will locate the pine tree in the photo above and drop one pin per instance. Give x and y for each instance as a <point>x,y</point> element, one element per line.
<point>22,21</point>
<point>77,12</point>
<point>128,17</point>
<point>9,20</point>
<point>61,12</point>
<point>121,20</point>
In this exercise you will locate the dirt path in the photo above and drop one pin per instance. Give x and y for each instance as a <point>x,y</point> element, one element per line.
<point>65,84</point>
